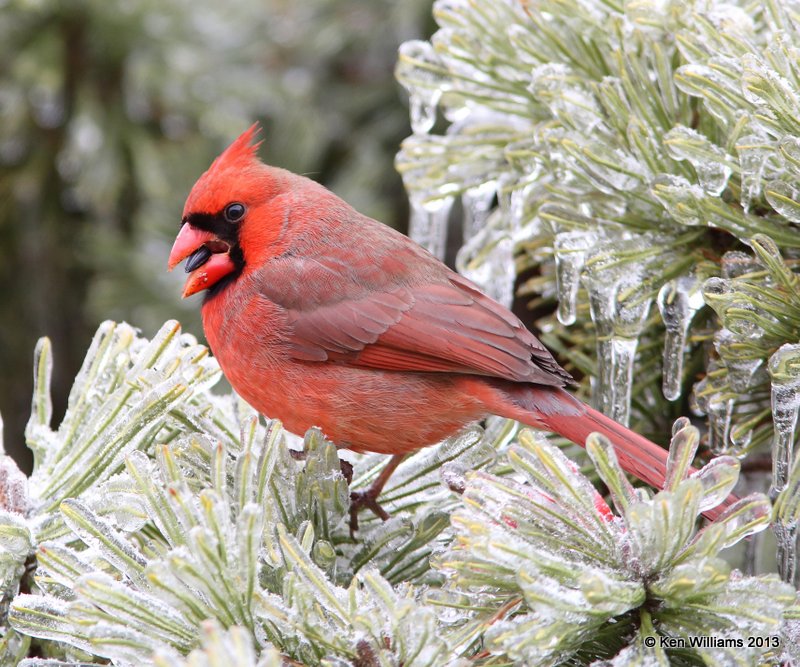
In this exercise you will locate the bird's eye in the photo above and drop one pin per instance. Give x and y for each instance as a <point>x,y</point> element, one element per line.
<point>234,212</point>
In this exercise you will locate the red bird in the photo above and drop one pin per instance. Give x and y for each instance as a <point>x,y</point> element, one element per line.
<point>321,316</point>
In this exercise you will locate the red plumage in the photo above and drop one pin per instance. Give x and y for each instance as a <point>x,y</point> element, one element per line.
<point>321,316</point>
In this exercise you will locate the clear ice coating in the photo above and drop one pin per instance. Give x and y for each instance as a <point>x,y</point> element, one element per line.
<point>554,84</point>
<point>678,302</point>
<point>739,324</point>
<point>760,82</point>
<point>790,151</point>
<point>428,222</point>
<point>736,263</point>
<point>748,516</point>
<point>570,250</point>
<point>608,171</point>
<point>682,448</point>
<point>13,486</point>
<point>710,162</point>
<point>680,198</point>
<point>783,197</point>
<point>718,478</point>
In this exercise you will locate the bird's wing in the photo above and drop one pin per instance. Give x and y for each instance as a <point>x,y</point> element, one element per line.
<point>441,323</point>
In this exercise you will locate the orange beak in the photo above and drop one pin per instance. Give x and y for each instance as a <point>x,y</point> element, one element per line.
<point>189,240</point>
<point>205,267</point>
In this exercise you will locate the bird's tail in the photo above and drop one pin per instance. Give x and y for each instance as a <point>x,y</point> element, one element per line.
<point>558,411</point>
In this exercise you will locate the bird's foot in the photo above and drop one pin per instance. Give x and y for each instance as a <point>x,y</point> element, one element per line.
<point>369,498</point>
<point>364,499</point>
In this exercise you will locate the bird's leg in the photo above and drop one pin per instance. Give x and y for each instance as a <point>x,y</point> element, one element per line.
<point>369,497</point>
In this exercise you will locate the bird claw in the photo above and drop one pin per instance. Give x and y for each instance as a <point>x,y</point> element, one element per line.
<point>369,498</point>
<point>364,499</point>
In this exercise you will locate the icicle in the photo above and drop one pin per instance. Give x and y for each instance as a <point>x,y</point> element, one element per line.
<point>720,413</point>
<point>488,256</point>
<point>421,113</point>
<point>488,260</point>
<point>740,371</point>
<point>784,368</point>
<point>754,151</point>
<point>786,547</point>
<point>721,294</point>
<point>709,400</point>
<point>619,319</point>
<point>428,222</point>
<point>477,202</point>
<point>678,303</point>
<point>787,510</point>
<point>600,301</point>
<point>512,199</point>
<point>623,351</point>
<point>421,73</point>
<point>570,256</point>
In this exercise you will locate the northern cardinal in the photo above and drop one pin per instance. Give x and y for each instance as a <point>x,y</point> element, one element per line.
<point>321,316</point>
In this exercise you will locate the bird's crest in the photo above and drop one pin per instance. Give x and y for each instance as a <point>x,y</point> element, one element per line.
<point>228,176</point>
<point>242,152</point>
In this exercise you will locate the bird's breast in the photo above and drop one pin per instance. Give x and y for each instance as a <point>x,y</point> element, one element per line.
<point>247,334</point>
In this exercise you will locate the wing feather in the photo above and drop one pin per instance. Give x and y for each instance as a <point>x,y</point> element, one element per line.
<point>428,328</point>
<point>386,303</point>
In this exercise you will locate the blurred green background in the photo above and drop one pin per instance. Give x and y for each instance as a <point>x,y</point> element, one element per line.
<point>109,111</point>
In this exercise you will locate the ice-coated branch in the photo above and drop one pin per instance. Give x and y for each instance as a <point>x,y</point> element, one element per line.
<point>211,537</point>
<point>579,572</point>
<point>229,536</point>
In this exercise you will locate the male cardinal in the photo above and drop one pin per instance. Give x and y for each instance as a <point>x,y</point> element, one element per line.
<point>321,316</point>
